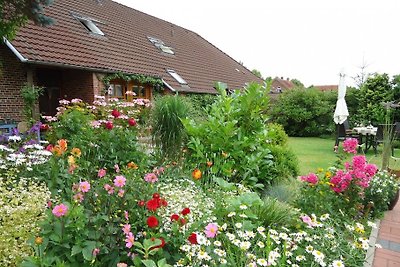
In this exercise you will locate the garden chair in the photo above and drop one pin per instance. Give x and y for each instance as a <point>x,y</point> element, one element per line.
<point>343,131</point>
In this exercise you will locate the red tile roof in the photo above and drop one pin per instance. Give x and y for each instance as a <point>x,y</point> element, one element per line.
<point>125,46</point>
<point>282,84</point>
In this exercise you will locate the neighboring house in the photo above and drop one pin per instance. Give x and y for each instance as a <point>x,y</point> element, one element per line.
<point>327,88</point>
<point>92,39</point>
<point>279,85</point>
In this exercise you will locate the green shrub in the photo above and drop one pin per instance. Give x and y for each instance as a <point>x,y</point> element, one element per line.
<point>199,104</point>
<point>272,212</point>
<point>304,112</point>
<point>285,164</point>
<point>276,134</point>
<point>22,206</point>
<point>167,129</point>
<point>287,191</point>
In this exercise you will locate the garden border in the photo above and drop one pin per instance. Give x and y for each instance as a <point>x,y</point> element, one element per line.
<point>369,257</point>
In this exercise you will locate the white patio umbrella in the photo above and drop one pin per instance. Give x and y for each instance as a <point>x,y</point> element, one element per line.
<point>341,112</point>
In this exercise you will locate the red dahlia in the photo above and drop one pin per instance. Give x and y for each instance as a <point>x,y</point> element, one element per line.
<point>131,122</point>
<point>174,217</point>
<point>185,211</point>
<point>153,204</point>
<point>152,222</point>
<point>115,113</point>
<point>109,125</point>
<point>193,239</point>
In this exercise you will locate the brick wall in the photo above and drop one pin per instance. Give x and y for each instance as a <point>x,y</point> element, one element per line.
<point>12,78</point>
<point>77,84</point>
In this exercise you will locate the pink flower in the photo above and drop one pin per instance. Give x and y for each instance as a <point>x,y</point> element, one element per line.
<point>130,239</point>
<point>151,178</point>
<point>95,252</point>
<point>308,220</point>
<point>371,169</point>
<point>126,229</point>
<point>121,193</point>
<point>116,168</point>
<point>101,173</point>
<point>84,187</point>
<point>79,197</point>
<point>60,210</point>
<point>109,189</point>
<point>126,215</point>
<point>311,178</point>
<point>119,181</point>
<point>122,264</point>
<point>359,162</point>
<point>350,145</point>
<point>211,230</point>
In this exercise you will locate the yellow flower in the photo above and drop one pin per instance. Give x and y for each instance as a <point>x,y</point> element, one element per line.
<point>71,160</point>
<point>76,152</point>
<point>328,174</point>
<point>320,170</point>
<point>38,240</point>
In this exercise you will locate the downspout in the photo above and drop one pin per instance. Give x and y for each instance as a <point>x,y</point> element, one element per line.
<point>12,48</point>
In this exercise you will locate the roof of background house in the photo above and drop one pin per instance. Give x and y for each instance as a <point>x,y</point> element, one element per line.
<point>284,84</point>
<point>125,46</point>
<point>326,87</point>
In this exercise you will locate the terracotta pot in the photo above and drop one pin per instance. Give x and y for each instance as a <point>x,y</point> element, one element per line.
<point>393,203</point>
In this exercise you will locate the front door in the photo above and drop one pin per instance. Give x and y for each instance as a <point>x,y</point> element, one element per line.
<point>50,80</point>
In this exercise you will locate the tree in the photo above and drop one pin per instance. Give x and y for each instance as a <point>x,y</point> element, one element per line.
<point>257,73</point>
<point>361,77</point>
<point>297,83</point>
<point>16,13</point>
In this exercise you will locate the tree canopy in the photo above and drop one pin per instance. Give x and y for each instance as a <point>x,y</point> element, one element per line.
<point>15,13</point>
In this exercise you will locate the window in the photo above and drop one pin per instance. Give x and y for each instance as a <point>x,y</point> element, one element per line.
<point>139,91</point>
<point>116,90</point>
<point>88,23</point>
<point>160,45</point>
<point>91,26</point>
<point>177,77</point>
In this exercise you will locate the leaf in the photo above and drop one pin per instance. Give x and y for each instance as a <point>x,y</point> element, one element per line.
<point>149,263</point>
<point>87,253</point>
<point>75,250</point>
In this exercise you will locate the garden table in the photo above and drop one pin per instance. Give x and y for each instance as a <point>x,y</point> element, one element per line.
<point>369,132</point>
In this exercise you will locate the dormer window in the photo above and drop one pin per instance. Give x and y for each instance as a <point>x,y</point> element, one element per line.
<point>177,77</point>
<point>160,45</point>
<point>89,24</point>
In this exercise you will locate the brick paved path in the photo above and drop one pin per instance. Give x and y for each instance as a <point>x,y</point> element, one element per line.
<point>389,239</point>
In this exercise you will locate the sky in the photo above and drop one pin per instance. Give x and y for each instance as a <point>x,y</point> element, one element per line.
<point>308,40</point>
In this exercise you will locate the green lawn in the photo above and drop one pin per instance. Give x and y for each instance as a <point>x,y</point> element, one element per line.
<point>314,153</point>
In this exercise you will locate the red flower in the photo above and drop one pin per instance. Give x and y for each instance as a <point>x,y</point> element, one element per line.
<point>115,113</point>
<point>141,203</point>
<point>153,204</point>
<point>185,211</point>
<point>156,195</point>
<point>159,246</point>
<point>174,217</point>
<point>193,239</point>
<point>152,221</point>
<point>163,202</point>
<point>182,221</point>
<point>109,125</point>
<point>131,122</point>
<point>49,147</point>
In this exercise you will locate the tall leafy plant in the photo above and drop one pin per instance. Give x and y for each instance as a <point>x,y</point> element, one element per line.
<point>167,129</point>
<point>30,95</point>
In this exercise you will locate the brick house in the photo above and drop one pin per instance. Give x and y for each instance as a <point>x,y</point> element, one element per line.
<point>92,39</point>
<point>327,88</point>
<point>279,85</point>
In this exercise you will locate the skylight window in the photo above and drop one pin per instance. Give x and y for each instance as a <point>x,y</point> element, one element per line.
<point>160,45</point>
<point>177,77</point>
<point>89,24</point>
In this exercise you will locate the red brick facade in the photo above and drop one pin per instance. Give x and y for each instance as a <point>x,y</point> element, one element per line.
<point>71,83</point>
<point>13,75</point>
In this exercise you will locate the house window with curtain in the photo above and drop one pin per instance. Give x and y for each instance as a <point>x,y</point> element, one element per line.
<point>117,89</point>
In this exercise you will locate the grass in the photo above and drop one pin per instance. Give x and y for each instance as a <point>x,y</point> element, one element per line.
<point>314,153</point>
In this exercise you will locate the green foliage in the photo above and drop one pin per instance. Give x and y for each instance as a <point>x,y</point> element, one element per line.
<point>167,129</point>
<point>272,212</point>
<point>141,78</point>
<point>303,112</point>
<point>376,90</point>
<point>16,13</point>
<point>286,191</point>
<point>199,104</point>
<point>233,138</point>
<point>21,209</point>
<point>30,94</point>
<point>381,191</point>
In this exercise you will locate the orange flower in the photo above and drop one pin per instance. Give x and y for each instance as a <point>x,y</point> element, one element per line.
<point>76,152</point>
<point>209,164</point>
<point>132,165</point>
<point>38,240</point>
<point>62,143</point>
<point>57,151</point>
<point>196,174</point>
